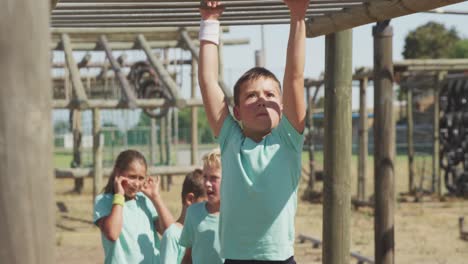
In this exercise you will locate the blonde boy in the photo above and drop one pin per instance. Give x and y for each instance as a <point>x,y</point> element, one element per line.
<point>200,233</point>
<point>193,191</point>
<point>262,160</point>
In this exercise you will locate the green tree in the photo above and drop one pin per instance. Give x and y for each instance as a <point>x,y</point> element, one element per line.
<point>460,50</point>
<point>204,131</point>
<point>61,127</point>
<point>430,41</point>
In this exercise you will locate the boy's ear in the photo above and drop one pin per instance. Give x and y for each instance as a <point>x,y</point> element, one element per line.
<point>236,113</point>
<point>189,199</point>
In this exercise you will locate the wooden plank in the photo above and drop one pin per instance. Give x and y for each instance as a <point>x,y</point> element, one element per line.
<point>78,90</point>
<point>88,172</point>
<point>384,145</point>
<point>129,95</point>
<point>410,132</point>
<point>337,149</point>
<point>372,11</point>
<point>27,208</point>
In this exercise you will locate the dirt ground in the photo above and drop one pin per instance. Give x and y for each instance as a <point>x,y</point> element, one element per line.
<point>425,232</point>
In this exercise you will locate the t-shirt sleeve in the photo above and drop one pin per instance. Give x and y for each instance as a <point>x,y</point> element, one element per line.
<point>186,238</point>
<point>289,134</point>
<point>169,247</point>
<point>102,206</point>
<point>152,211</point>
<point>229,129</point>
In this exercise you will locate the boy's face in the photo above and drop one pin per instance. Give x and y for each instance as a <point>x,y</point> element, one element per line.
<point>259,107</point>
<point>212,176</point>
<point>134,178</point>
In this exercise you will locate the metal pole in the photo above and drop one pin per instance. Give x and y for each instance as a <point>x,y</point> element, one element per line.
<point>337,153</point>
<point>27,204</point>
<point>384,144</point>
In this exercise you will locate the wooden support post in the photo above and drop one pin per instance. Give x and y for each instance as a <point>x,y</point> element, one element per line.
<point>97,153</point>
<point>337,152</point>
<point>27,205</point>
<point>409,124</point>
<point>384,144</point>
<point>436,139</point>
<point>79,94</point>
<point>194,119</point>
<point>169,142</point>
<point>153,142</point>
<point>362,163</point>
<point>77,136</point>
<point>129,95</point>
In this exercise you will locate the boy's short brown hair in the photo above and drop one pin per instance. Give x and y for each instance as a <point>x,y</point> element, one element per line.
<point>253,74</point>
<point>193,183</point>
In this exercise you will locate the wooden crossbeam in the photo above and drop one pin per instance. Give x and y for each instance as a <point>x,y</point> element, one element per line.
<point>117,104</point>
<point>158,66</point>
<point>372,11</point>
<point>129,95</point>
<point>78,90</point>
<point>88,172</point>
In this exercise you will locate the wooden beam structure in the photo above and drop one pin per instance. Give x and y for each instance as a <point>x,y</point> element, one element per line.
<point>384,145</point>
<point>27,222</point>
<point>337,148</point>
<point>324,16</point>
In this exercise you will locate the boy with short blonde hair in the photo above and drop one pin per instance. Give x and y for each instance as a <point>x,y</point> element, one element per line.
<point>200,233</point>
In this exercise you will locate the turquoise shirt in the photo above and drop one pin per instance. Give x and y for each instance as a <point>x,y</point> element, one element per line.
<point>259,192</point>
<point>171,251</point>
<point>138,241</point>
<point>201,234</point>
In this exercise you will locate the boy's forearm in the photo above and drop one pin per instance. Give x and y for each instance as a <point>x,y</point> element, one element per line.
<point>293,98</point>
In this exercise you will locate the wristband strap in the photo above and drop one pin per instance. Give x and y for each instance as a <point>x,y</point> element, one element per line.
<point>118,199</point>
<point>209,31</point>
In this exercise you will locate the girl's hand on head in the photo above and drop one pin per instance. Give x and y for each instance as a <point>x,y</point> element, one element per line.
<point>119,184</point>
<point>212,10</point>
<point>297,8</point>
<point>151,187</point>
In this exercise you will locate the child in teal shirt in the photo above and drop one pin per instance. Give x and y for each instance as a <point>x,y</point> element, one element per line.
<point>200,233</point>
<point>193,191</point>
<point>130,212</point>
<point>261,158</point>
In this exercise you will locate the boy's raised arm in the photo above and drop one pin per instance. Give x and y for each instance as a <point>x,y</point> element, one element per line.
<point>293,96</point>
<point>216,107</point>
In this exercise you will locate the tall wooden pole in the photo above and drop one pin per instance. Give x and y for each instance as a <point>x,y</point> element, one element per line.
<point>409,124</point>
<point>77,149</point>
<point>337,154</point>
<point>384,144</point>
<point>362,163</point>
<point>97,152</point>
<point>440,79</point>
<point>194,109</point>
<point>27,215</point>
<point>153,143</point>
<point>435,132</point>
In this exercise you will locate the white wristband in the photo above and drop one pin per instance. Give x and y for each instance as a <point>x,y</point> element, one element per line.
<point>209,31</point>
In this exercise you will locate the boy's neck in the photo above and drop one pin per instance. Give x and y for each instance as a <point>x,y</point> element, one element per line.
<point>212,208</point>
<point>255,136</point>
<point>181,219</point>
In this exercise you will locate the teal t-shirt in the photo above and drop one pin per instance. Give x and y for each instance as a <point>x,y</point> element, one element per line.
<point>201,234</point>
<point>138,241</point>
<point>171,251</point>
<point>259,192</point>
